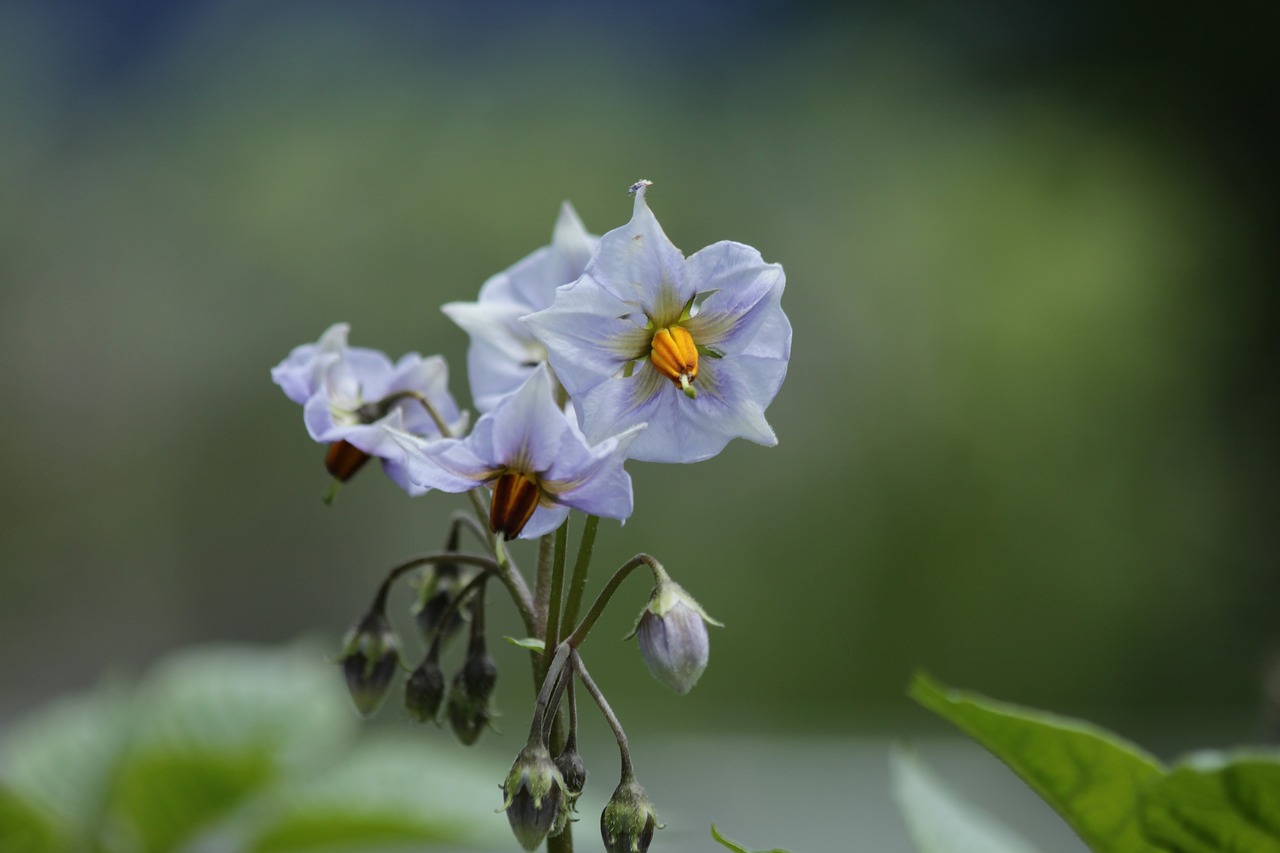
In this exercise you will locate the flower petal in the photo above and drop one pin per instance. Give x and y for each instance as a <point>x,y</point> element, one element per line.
<point>301,373</point>
<point>639,265</point>
<point>593,480</point>
<point>589,334</point>
<point>743,293</point>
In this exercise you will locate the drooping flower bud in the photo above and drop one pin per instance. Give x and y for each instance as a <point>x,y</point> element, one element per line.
<point>569,763</point>
<point>469,700</point>
<point>628,821</point>
<point>439,587</point>
<point>370,655</point>
<point>424,690</point>
<point>672,632</point>
<point>534,797</point>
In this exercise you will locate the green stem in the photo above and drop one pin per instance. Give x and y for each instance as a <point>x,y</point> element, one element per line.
<point>596,694</point>
<point>578,582</point>
<point>602,600</point>
<point>552,636</point>
<point>542,585</point>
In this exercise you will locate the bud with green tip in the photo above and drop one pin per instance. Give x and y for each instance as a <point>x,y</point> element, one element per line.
<point>628,821</point>
<point>535,798</point>
<point>672,633</point>
<point>370,656</point>
<point>424,690</point>
<point>469,700</point>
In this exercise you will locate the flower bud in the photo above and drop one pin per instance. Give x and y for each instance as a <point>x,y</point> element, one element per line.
<point>424,690</point>
<point>370,655</point>
<point>628,821</point>
<point>569,763</point>
<point>469,699</point>
<point>535,799</point>
<point>435,596</point>
<point>672,632</point>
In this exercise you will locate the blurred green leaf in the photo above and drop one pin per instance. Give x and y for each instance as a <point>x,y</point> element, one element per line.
<point>166,799</point>
<point>735,846</point>
<point>941,822</point>
<point>24,828</point>
<point>1213,804</point>
<point>1091,777</point>
<point>388,790</point>
<point>62,759</point>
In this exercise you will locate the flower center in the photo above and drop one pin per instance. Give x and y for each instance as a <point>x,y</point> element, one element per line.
<point>675,356</point>
<point>515,497</point>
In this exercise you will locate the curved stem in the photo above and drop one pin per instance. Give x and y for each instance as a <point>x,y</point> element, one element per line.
<point>602,600</point>
<point>551,686</point>
<point>596,694</point>
<point>511,580</point>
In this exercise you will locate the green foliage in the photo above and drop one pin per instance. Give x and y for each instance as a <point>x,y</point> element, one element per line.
<point>941,822</point>
<point>239,748</point>
<point>735,846</point>
<point>1210,804</point>
<point>1115,796</point>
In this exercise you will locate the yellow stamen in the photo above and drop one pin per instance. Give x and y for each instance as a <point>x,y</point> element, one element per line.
<point>675,356</point>
<point>515,497</point>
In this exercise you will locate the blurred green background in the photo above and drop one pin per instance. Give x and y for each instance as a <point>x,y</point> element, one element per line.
<point>1028,438</point>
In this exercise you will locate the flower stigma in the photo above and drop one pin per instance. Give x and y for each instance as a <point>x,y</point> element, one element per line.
<point>675,356</point>
<point>515,497</point>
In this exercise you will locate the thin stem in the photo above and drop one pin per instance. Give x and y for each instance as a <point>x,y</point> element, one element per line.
<point>552,636</point>
<point>578,582</point>
<point>511,580</point>
<point>461,519</point>
<point>548,691</point>
<point>596,694</point>
<point>602,600</point>
<point>476,585</point>
<point>542,585</point>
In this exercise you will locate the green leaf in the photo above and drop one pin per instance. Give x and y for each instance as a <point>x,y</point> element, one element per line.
<point>530,643</point>
<point>24,828</point>
<point>388,790</point>
<point>1091,777</point>
<point>941,822</point>
<point>168,798</point>
<point>61,760</point>
<point>735,846</point>
<point>1213,804</point>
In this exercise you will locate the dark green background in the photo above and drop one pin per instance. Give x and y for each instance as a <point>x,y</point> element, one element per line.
<point>1028,435</point>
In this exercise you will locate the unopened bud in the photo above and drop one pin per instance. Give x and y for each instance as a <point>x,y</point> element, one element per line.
<point>628,821</point>
<point>572,769</point>
<point>435,596</point>
<point>424,690</point>
<point>469,700</point>
<point>370,655</point>
<point>672,632</point>
<point>534,797</point>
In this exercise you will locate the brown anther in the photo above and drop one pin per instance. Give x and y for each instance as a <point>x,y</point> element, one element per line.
<point>675,356</point>
<point>343,460</point>
<point>515,497</point>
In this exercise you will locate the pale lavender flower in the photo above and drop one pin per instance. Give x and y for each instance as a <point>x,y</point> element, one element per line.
<point>354,397</point>
<point>503,352</point>
<point>534,459</point>
<point>696,347</point>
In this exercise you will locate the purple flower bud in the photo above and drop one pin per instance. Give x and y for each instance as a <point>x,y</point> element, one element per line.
<point>672,632</point>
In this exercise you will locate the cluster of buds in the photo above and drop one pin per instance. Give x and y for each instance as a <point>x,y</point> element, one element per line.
<point>590,352</point>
